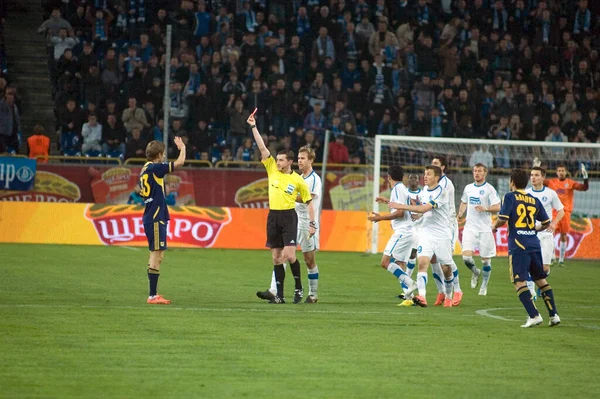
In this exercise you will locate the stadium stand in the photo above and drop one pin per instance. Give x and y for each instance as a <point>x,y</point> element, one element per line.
<point>506,70</point>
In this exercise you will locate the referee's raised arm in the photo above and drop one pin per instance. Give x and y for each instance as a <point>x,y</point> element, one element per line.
<point>264,151</point>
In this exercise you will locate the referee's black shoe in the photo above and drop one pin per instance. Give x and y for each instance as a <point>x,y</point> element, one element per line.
<point>298,295</point>
<point>266,295</point>
<point>277,300</point>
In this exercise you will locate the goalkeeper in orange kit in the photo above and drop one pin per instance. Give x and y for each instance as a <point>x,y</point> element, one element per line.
<point>565,188</point>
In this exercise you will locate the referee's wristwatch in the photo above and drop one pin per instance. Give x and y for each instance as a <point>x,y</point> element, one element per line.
<point>252,126</point>
<point>313,224</point>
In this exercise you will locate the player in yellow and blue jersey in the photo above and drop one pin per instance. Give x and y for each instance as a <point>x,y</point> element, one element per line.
<point>521,211</point>
<point>156,213</point>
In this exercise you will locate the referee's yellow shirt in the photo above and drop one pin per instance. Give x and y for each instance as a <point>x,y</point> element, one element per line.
<point>284,188</point>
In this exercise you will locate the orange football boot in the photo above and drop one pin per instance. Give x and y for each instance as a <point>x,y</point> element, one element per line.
<point>457,298</point>
<point>439,299</point>
<point>158,300</point>
<point>447,302</point>
<point>420,301</point>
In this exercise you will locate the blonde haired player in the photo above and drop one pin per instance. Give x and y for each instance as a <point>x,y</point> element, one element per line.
<point>308,243</point>
<point>436,235</point>
<point>478,201</point>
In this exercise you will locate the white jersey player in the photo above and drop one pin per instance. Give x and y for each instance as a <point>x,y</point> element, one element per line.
<point>308,244</point>
<point>413,193</point>
<point>550,201</point>
<point>436,229</point>
<point>441,162</point>
<point>479,200</point>
<point>399,246</point>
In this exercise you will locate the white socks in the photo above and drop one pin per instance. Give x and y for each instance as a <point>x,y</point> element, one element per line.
<point>436,271</point>
<point>410,266</point>
<point>487,272</point>
<point>456,280</point>
<point>422,283</point>
<point>563,249</point>
<point>313,281</point>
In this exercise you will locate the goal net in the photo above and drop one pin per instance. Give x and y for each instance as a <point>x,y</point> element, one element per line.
<point>413,153</point>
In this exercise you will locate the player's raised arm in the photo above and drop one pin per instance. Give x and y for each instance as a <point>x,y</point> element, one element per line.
<point>586,183</point>
<point>181,147</point>
<point>264,151</point>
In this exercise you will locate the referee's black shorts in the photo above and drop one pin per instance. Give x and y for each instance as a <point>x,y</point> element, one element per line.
<point>282,228</point>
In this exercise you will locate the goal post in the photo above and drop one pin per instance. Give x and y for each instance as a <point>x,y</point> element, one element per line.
<point>413,153</point>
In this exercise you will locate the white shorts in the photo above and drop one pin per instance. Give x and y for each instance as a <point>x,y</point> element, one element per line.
<point>399,246</point>
<point>547,244</point>
<point>439,248</point>
<point>484,241</point>
<point>306,242</point>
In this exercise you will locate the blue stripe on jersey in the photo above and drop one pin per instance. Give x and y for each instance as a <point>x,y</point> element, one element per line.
<point>440,187</point>
<point>314,181</point>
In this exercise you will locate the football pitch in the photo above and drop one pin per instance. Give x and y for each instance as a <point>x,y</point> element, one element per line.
<point>74,323</point>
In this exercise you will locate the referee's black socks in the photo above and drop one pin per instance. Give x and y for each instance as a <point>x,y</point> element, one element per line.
<point>296,273</point>
<point>279,277</point>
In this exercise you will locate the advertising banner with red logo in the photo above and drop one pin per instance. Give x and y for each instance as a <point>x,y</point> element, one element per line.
<point>202,187</point>
<point>214,227</point>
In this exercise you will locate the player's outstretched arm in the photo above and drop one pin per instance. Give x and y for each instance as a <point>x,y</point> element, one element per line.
<point>493,208</point>
<point>412,208</point>
<point>181,147</point>
<point>264,151</point>
<point>377,217</point>
<point>499,223</point>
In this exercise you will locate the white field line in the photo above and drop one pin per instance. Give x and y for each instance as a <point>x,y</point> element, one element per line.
<point>128,247</point>
<point>267,309</point>
<point>488,313</point>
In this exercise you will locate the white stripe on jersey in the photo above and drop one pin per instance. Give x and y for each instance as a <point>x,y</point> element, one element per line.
<point>474,195</point>
<point>313,181</point>
<point>447,184</point>
<point>404,223</point>
<point>549,200</point>
<point>436,222</point>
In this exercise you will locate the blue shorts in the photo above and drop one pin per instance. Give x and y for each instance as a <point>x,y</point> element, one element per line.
<point>156,233</point>
<point>522,264</point>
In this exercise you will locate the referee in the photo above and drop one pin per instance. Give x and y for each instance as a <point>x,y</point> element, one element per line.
<point>285,186</point>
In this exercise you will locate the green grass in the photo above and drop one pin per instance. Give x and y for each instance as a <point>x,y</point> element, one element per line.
<point>74,323</point>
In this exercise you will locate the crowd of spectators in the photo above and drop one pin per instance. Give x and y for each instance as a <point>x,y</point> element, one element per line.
<point>505,70</point>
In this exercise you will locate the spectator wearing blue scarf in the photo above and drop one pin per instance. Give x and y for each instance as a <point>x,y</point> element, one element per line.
<point>500,16</point>
<point>202,21</point>
<point>436,123</point>
<point>350,75</point>
<point>249,17</point>
<point>323,47</point>
<point>583,19</point>
<point>302,23</point>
